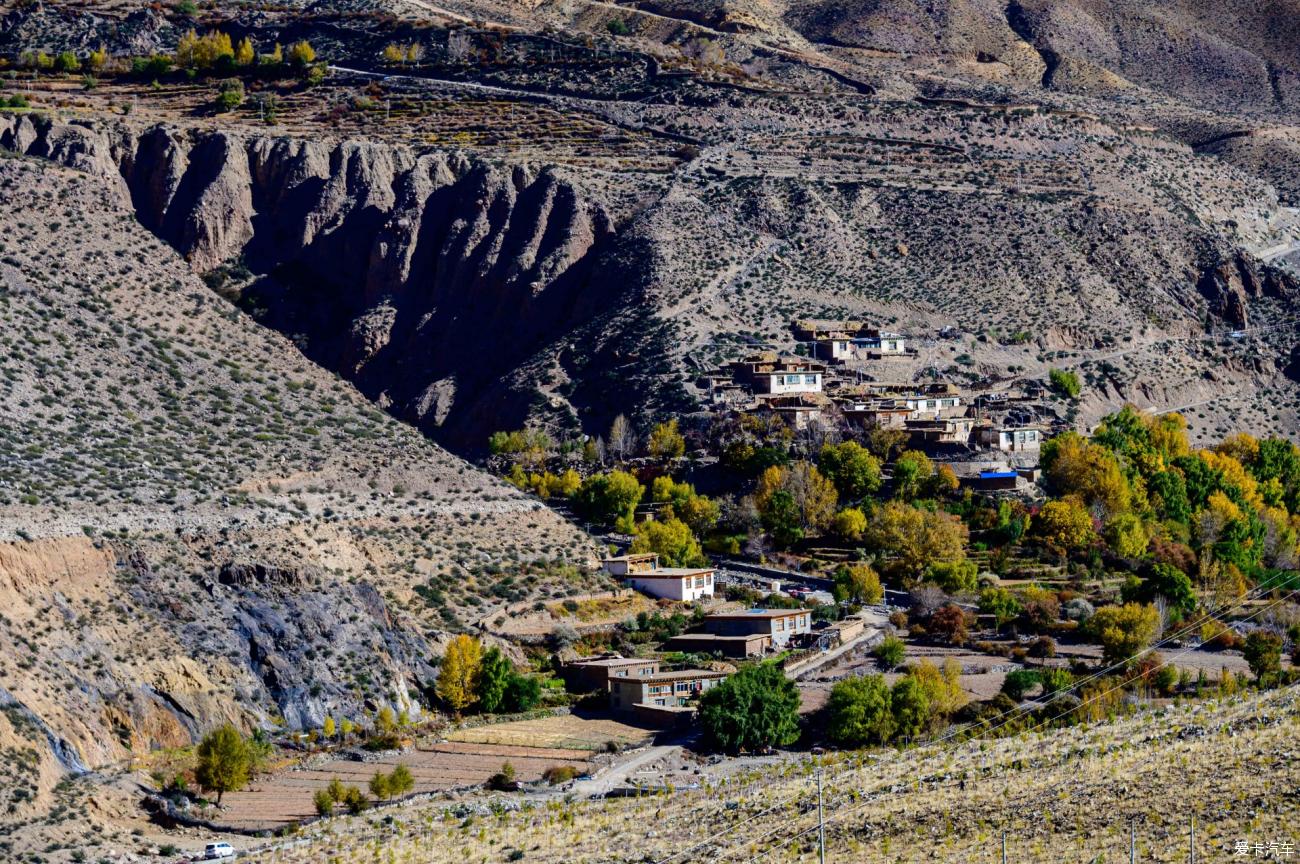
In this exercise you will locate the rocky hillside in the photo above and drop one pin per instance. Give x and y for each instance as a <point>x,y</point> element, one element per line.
<point>466,296</point>
<point>196,523</point>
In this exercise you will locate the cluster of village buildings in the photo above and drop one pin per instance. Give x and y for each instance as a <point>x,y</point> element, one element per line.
<point>640,686</point>
<point>990,439</point>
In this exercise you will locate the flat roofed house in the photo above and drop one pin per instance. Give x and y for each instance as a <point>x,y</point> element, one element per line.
<point>625,565</point>
<point>666,689</point>
<point>781,625</point>
<point>780,375</point>
<point>594,673</point>
<point>881,414</point>
<point>747,645</point>
<point>944,430</point>
<point>675,583</point>
<point>1020,439</point>
<point>867,344</point>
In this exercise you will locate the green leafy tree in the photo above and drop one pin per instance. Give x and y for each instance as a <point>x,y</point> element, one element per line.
<point>672,540</point>
<point>495,671</point>
<point>400,781</point>
<point>912,472</point>
<point>1163,580</point>
<point>323,802</point>
<point>380,788</point>
<point>955,577</point>
<point>1001,604</point>
<point>756,708</point>
<point>1263,652</point>
<point>860,712</point>
<point>911,707</point>
<point>1019,682</point>
<point>1065,383</point>
<point>781,519</point>
<point>225,761</point>
<point>852,469</point>
<point>609,498</point>
<point>523,692</point>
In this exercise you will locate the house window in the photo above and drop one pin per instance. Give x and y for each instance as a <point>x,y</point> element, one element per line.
<point>810,379</point>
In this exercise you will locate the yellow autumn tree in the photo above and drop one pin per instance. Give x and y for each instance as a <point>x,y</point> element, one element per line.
<point>666,441</point>
<point>1064,523</point>
<point>301,53</point>
<point>913,538</point>
<point>1075,466</point>
<point>459,673</point>
<point>244,53</point>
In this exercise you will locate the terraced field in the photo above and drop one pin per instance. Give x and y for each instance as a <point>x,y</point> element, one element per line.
<point>287,797</point>
<point>583,734</point>
<point>1068,795</point>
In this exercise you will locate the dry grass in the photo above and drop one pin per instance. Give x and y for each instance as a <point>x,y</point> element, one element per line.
<point>1069,795</point>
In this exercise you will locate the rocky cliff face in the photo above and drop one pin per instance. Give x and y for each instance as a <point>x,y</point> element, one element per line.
<point>423,278</point>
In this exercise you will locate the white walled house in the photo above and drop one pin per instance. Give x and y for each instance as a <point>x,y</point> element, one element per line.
<point>642,572</point>
<point>1021,439</point>
<point>687,584</point>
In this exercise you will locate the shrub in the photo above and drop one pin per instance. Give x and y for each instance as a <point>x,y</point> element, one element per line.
<point>1065,383</point>
<point>1019,682</point>
<point>1043,647</point>
<point>949,622</point>
<point>324,803</point>
<point>557,774</point>
<point>230,95</point>
<point>1055,680</point>
<point>503,780</point>
<point>890,651</point>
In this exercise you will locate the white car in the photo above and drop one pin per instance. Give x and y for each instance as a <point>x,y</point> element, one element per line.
<point>214,851</point>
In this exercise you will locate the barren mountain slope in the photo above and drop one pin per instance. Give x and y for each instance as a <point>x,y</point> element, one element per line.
<point>1060,795</point>
<point>197,522</point>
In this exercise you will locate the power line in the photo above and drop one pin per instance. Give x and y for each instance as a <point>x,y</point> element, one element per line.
<point>854,808</point>
<point>1005,717</point>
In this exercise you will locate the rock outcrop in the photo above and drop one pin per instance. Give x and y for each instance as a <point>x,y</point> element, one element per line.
<point>420,277</point>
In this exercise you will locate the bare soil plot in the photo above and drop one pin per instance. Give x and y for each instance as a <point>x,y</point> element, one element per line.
<point>581,734</point>
<point>287,797</point>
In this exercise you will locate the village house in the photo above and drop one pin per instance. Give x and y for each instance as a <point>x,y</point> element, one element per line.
<point>594,673</point>
<point>736,647</point>
<point>879,414</point>
<point>770,373</point>
<point>939,431</point>
<point>642,572</point>
<point>779,625</point>
<point>845,341</point>
<point>798,412</point>
<point>1017,439</point>
<point>663,689</point>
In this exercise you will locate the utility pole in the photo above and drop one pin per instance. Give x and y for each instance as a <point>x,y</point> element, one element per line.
<point>1192,851</point>
<point>1132,843</point>
<point>1004,847</point>
<point>821,821</point>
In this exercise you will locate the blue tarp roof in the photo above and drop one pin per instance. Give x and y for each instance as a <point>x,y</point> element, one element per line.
<point>996,475</point>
